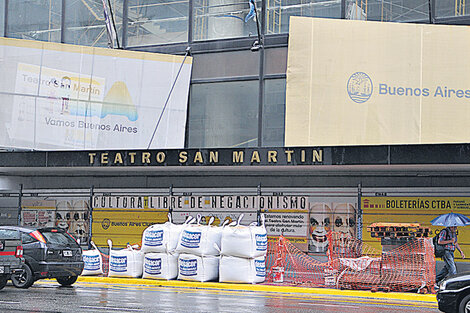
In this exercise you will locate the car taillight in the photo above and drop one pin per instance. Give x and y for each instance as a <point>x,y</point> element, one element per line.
<point>19,251</point>
<point>38,236</point>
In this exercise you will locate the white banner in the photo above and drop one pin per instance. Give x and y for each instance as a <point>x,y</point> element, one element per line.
<point>63,97</point>
<point>235,203</point>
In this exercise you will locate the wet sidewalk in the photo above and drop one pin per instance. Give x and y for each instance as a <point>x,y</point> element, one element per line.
<point>414,297</point>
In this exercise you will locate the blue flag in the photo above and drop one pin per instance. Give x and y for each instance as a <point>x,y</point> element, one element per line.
<point>252,11</point>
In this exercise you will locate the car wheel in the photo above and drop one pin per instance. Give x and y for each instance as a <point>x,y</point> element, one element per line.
<point>67,280</point>
<point>3,281</point>
<point>464,306</point>
<point>24,279</point>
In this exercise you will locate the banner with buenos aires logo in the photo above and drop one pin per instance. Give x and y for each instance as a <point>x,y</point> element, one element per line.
<point>66,97</point>
<point>373,83</point>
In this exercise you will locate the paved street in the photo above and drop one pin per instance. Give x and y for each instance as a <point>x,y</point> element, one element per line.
<point>47,296</point>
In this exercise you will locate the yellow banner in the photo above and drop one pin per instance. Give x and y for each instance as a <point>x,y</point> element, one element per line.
<point>419,210</point>
<point>123,226</point>
<point>372,83</point>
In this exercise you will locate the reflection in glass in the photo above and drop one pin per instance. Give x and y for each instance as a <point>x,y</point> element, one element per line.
<point>2,17</point>
<point>279,12</point>
<point>85,25</point>
<point>274,109</point>
<point>447,8</point>
<point>224,115</point>
<point>34,20</point>
<point>157,22</point>
<point>388,11</point>
<point>216,19</point>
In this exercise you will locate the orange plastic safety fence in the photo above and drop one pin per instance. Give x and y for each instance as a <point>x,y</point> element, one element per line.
<point>352,264</point>
<point>105,259</point>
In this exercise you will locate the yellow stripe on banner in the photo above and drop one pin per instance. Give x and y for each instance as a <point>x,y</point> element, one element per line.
<point>127,54</point>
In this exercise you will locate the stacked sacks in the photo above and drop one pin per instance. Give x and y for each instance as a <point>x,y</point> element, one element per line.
<point>199,254</point>
<point>125,262</point>
<point>160,266</point>
<point>159,242</point>
<point>162,237</point>
<point>243,250</point>
<point>93,262</point>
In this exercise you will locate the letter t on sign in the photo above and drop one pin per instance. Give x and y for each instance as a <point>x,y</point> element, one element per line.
<point>92,157</point>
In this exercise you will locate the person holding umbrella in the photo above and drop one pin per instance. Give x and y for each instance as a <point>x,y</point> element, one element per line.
<point>448,238</point>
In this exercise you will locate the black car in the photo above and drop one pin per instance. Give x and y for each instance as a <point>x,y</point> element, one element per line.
<point>454,294</point>
<point>48,253</point>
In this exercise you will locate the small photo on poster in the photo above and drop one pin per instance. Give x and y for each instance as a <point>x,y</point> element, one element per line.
<point>330,216</point>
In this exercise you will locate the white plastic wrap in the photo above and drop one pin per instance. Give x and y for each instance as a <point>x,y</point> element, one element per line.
<point>242,270</point>
<point>202,240</point>
<point>197,268</point>
<point>125,263</point>
<point>244,241</point>
<point>93,262</point>
<point>161,237</point>
<point>160,266</point>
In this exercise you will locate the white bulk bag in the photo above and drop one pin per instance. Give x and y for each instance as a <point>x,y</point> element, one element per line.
<point>125,263</point>
<point>202,240</point>
<point>197,268</point>
<point>160,266</point>
<point>242,270</point>
<point>93,262</point>
<point>244,241</point>
<point>161,237</point>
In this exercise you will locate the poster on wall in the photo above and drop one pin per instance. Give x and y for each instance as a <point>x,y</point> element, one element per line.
<point>38,212</point>
<point>284,215</point>
<point>419,210</point>
<point>66,97</point>
<point>123,226</point>
<point>70,215</point>
<point>38,217</point>
<point>326,215</point>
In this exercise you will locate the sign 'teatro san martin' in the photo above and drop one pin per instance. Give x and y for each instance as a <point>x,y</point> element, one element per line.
<point>195,157</point>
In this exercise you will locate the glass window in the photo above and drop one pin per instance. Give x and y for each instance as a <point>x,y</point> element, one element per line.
<point>223,115</point>
<point>275,60</point>
<point>85,24</point>
<point>235,63</point>
<point>2,18</point>
<point>388,11</point>
<point>216,19</point>
<point>157,21</point>
<point>274,109</point>
<point>279,12</point>
<point>26,238</point>
<point>446,8</point>
<point>9,234</point>
<point>58,238</point>
<point>35,20</point>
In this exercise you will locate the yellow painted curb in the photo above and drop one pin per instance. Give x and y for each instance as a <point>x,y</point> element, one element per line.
<point>261,288</point>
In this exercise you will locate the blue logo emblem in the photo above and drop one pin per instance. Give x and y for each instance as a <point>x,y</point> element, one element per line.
<point>360,87</point>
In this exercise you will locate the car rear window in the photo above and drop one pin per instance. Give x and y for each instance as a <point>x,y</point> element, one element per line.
<point>9,234</point>
<point>58,238</point>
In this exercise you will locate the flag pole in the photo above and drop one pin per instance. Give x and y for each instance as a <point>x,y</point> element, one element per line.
<point>114,24</point>
<point>259,44</point>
